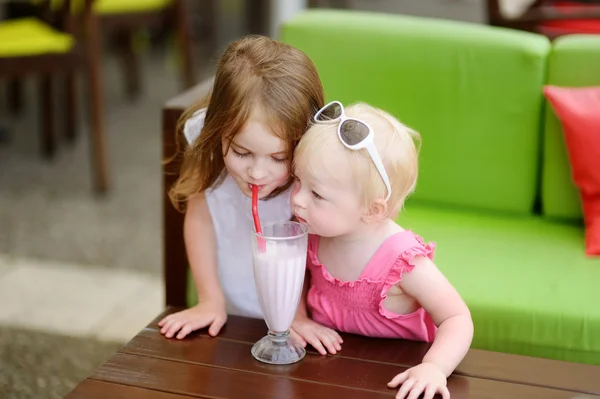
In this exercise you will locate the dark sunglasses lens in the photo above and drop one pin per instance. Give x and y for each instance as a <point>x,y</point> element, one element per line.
<point>353,132</point>
<point>333,111</point>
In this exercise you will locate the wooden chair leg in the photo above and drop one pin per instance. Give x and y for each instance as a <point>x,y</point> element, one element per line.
<point>71,106</point>
<point>97,141</point>
<point>48,128</point>
<point>15,96</point>
<point>185,44</point>
<point>130,63</point>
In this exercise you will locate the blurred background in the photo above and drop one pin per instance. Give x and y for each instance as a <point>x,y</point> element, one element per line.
<point>80,254</point>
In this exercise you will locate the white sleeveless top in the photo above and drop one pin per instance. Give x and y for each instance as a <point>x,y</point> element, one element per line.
<point>231,213</point>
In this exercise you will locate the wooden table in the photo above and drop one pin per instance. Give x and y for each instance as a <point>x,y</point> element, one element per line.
<point>151,366</point>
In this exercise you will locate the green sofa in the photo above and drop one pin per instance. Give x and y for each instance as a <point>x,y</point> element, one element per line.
<point>494,190</point>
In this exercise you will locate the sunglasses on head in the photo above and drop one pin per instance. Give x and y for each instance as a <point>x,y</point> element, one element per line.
<point>355,135</point>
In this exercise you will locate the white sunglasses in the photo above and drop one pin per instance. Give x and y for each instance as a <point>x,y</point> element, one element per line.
<point>355,135</point>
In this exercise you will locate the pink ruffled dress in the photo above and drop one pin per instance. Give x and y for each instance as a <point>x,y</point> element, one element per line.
<point>357,306</point>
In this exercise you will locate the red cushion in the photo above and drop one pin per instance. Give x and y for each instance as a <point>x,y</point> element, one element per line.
<point>578,110</point>
<point>570,26</point>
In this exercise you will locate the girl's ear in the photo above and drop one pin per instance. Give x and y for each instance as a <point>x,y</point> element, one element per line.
<point>375,212</point>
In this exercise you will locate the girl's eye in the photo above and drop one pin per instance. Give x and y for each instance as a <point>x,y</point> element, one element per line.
<point>279,160</point>
<point>240,154</point>
<point>317,196</point>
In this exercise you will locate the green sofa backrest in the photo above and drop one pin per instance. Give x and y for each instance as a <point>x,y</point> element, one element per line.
<point>574,62</point>
<point>473,92</point>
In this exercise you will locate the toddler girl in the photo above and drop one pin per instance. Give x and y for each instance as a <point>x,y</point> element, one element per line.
<point>264,95</point>
<point>354,169</point>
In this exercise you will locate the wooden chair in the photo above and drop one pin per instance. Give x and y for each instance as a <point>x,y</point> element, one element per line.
<point>124,18</point>
<point>552,18</point>
<point>121,20</point>
<point>30,46</point>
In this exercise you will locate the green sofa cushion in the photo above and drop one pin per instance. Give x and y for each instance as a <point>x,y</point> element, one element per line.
<point>473,92</point>
<point>529,286</point>
<point>574,62</point>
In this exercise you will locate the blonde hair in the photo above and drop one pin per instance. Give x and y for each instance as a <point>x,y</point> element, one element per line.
<point>254,71</point>
<point>320,150</point>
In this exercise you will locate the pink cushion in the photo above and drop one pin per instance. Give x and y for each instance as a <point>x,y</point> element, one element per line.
<point>578,110</point>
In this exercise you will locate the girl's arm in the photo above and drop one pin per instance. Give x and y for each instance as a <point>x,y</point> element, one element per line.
<point>430,288</point>
<point>200,242</point>
<point>201,248</point>
<point>438,297</point>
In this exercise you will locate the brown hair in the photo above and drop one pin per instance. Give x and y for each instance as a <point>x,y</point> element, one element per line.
<point>253,71</point>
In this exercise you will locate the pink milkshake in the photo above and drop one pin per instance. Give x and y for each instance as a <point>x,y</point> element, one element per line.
<point>279,276</point>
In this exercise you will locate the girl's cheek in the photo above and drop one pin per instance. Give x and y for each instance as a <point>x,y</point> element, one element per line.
<point>284,175</point>
<point>295,189</point>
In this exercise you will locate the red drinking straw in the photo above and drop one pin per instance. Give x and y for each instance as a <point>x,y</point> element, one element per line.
<point>262,247</point>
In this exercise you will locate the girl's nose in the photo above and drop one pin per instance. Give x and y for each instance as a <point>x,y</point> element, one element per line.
<point>257,173</point>
<point>297,199</point>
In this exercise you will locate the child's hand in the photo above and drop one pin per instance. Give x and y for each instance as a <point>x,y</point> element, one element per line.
<point>425,378</point>
<point>320,337</point>
<point>194,318</point>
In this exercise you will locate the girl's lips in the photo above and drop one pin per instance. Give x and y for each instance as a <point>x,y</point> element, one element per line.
<point>257,185</point>
<point>300,219</point>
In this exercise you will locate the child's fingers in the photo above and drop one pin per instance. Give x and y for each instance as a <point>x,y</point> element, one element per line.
<point>185,330</point>
<point>316,343</point>
<point>399,379</point>
<point>173,328</point>
<point>417,390</point>
<point>296,337</point>
<point>163,328</point>
<point>330,343</point>
<point>337,337</point>
<point>318,346</point>
<point>197,324</point>
<point>166,326</point>
<point>430,392</point>
<point>333,346</point>
<point>444,392</point>
<point>330,346</point>
<point>169,318</point>
<point>216,326</point>
<point>169,321</point>
<point>336,340</point>
<point>405,388</point>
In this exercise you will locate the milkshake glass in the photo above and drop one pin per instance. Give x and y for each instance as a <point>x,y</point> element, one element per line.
<point>279,258</point>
